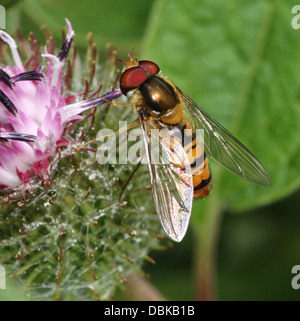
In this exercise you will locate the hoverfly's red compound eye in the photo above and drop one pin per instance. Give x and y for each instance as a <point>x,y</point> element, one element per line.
<point>149,66</point>
<point>133,77</point>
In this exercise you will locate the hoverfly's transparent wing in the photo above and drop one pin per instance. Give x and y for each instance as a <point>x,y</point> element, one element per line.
<point>223,147</point>
<point>171,180</point>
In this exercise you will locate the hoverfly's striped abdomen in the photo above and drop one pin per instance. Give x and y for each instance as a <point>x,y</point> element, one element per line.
<point>197,159</point>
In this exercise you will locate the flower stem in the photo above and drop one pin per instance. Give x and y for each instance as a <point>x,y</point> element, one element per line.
<point>206,227</point>
<point>142,290</point>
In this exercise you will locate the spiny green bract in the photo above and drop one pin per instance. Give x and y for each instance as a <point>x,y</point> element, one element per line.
<point>73,238</point>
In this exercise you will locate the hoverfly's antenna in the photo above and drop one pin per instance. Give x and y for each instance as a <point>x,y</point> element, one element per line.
<point>131,63</point>
<point>130,54</point>
<point>123,61</point>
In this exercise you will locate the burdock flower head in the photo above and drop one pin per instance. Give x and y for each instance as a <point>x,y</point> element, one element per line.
<point>71,236</point>
<point>33,113</point>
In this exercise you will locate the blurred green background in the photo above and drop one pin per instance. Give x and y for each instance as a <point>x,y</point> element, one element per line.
<point>240,61</point>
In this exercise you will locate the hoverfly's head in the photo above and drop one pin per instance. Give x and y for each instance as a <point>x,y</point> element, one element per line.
<point>136,72</point>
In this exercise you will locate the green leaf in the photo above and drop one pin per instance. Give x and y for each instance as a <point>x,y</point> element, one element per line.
<point>239,61</point>
<point>8,3</point>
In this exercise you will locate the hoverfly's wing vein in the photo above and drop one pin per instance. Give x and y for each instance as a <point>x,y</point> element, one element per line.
<point>223,147</point>
<point>171,180</point>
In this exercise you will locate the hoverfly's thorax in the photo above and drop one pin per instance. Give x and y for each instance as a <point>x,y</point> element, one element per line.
<point>158,95</point>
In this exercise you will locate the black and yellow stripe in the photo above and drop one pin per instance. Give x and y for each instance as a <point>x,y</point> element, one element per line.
<point>197,159</point>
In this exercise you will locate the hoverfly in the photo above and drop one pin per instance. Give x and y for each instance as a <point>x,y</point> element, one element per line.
<point>162,105</point>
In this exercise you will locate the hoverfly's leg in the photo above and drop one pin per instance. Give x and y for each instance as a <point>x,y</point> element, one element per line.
<point>128,181</point>
<point>134,124</point>
<point>180,166</point>
<point>114,103</point>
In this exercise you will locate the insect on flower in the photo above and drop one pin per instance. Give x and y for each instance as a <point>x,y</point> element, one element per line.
<point>161,105</point>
